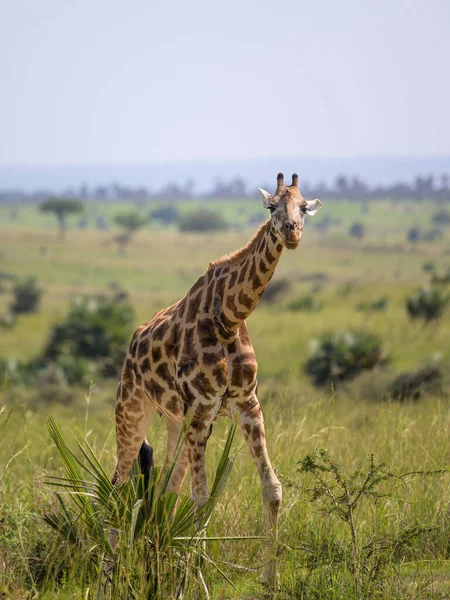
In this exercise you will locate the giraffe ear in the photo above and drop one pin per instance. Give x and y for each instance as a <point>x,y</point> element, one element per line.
<point>267,199</point>
<point>312,206</point>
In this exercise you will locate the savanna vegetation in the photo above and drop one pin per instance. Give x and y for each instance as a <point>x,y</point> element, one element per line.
<point>353,345</point>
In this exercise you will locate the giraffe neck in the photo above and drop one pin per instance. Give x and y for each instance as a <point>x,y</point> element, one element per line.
<point>241,283</point>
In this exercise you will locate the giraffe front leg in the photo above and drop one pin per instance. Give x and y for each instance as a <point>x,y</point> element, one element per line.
<point>251,423</point>
<point>196,439</point>
<point>179,470</point>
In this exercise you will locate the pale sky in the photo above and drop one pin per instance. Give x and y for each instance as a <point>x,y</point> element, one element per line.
<point>88,81</point>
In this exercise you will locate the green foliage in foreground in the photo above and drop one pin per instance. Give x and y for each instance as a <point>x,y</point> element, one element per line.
<point>128,541</point>
<point>369,558</point>
<point>341,355</point>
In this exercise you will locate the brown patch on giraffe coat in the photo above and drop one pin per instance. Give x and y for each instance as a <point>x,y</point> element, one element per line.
<point>258,433</point>
<point>279,247</point>
<point>203,385</point>
<point>256,283</point>
<point>273,237</point>
<point>156,354</point>
<point>137,373</point>
<point>220,372</point>
<point>206,334</point>
<point>128,374</point>
<point>187,395</point>
<point>155,390</point>
<point>243,335</point>
<point>143,349</point>
<point>243,272</point>
<point>263,267</point>
<point>174,405</point>
<point>246,429</point>
<point>233,279</point>
<point>181,305</point>
<point>187,364</point>
<point>209,297</point>
<point>212,358</point>
<point>145,365</point>
<point>244,370</point>
<point>134,405</point>
<point>268,256</point>
<point>165,374</point>
<point>193,308</point>
<point>245,300</point>
<point>160,331</point>
<point>172,345</point>
<point>231,305</point>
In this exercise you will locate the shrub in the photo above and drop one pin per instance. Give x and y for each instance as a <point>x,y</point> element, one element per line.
<point>136,540</point>
<point>275,289</point>
<point>429,266</point>
<point>378,304</point>
<point>97,329</point>
<point>383,385</point>
<point>203,220</point>
<point>427,303</point>
<point>413,236</point>
<point>167,214</point>
<point>305,303</point>
<point>341,355</point>
<point>442,217</point>
<point>357,230</point>
<point>27,296</point>
<point>432,235</point>
<point>414,384</point>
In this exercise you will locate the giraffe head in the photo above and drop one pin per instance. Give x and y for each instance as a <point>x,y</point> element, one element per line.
<point>288,209</point>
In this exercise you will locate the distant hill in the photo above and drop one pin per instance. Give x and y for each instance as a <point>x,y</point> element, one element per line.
<point>257,172</point>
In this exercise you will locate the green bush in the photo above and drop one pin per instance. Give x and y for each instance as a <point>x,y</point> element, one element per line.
<point>97,328</point>
<point>378,304</point>
<point>357,230</point>
<point>305,303</point>
<point>275,289</point>
<point>27,296</point>
<point>427,303</point>
<point>380,385</point>
<point>166,214</point>
<point>413,385</point>
<point>133,540</point>
<point>203,220</point>
<point>341,355</point>
<point>413,236</point>
<point>441,217</point>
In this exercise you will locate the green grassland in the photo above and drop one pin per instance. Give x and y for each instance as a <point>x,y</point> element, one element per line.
<point>157,269</point>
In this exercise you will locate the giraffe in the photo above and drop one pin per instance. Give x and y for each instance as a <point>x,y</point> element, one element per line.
<point>195,358</point>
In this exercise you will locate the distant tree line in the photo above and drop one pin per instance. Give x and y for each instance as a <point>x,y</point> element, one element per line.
<point>343,188</point>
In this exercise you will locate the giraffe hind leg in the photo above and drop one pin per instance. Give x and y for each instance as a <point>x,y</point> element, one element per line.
<point>133,414</point>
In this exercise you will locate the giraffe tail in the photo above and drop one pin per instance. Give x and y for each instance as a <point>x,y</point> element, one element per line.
<point>146,461</point>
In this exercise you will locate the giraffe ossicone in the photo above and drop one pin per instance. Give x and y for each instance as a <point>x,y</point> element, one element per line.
<point>195,358</point>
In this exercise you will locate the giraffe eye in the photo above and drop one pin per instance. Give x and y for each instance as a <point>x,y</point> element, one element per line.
<point>304,209</point>
<point>271,208</point>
